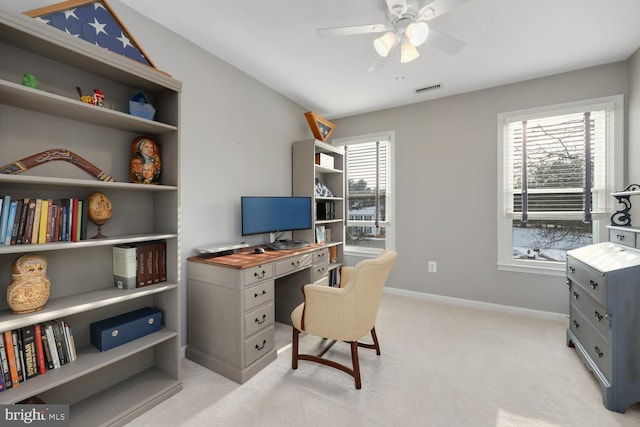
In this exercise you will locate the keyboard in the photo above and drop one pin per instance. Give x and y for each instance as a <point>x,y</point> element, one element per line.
<point>287,244</point>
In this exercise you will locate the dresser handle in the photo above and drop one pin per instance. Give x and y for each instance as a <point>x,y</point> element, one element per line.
<point>260,276</point>
<point>576,295</point>
<point>264,319</point>
<point>620,236</point>
<point>576,324</point>
<point>572,269</point>
<point>256,295</point>
<point>295,264</point>
<point>593,284</point>
<point>598,351</point>
<point>260,347</point>
<point>598,316</point>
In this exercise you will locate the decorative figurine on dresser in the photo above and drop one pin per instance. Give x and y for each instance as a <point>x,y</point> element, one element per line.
<point>604,289</point>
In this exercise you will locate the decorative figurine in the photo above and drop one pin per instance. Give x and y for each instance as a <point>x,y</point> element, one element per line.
<point>99,211</point>
<point>30,287</point>
<point>145,163</point>
<point>96,99</point>
<point>29,80</point>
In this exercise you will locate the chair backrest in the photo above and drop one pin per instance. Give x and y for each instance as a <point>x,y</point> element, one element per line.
<point>365,286</point>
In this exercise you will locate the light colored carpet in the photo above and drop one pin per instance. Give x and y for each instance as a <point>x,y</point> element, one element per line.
<point>441,365</point>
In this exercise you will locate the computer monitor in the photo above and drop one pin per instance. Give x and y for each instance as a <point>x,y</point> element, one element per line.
<point>275,214</point>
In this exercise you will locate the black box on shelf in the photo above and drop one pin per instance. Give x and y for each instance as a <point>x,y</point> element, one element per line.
<point>114,331</point>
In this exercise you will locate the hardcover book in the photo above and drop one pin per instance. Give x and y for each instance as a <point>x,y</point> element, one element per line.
<point>125,266</point>
<point>30,358</point>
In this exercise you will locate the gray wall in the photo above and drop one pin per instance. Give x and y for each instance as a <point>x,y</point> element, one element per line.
<point>446,187</point>
<point>236,138</point>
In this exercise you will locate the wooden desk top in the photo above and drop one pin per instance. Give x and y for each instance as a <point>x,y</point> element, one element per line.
<point>246,258</point>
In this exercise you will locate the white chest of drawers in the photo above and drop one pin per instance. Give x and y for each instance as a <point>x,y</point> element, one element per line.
<point>604,288</point>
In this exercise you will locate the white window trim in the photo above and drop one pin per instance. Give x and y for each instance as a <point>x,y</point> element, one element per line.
<point>390,239</point>
<point>600,234</point>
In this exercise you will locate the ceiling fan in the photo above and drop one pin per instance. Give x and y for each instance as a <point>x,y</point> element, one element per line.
<point>406,28</point>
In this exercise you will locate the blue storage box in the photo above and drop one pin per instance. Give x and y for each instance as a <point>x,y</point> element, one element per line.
<point>140,106</point>
<point>114,331</point>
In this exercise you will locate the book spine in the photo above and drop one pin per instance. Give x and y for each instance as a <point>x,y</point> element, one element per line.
<point>22,222</point>
<point>30,358</point>
<point>35,227</point>
<point>11,358</point>
<point>10,221</point>
<point>163,261</point>
<point>125,266</point>
<point>4,364</point>
<point>40,353</point>
<point>49,221</point>
<point>4,217</point>
<point>59,340</point>
<point>70,341</point>
<point>17,348</point>
<point>42,231</point>
<point>149,263</point>
<point>29,226</point>
<point>142,269</point>
<point>47,348</point>
<point>53,348</point>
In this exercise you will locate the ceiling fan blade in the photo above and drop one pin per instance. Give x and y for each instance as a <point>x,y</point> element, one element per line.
<point>377,63</point>
<point>439,7</point>
<point>351,30</point>
<point>443,42</point>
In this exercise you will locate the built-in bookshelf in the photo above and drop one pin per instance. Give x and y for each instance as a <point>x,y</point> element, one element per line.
<point>318,172</point>
<point>114,386</point>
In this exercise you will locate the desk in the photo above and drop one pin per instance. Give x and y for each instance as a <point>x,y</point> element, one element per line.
<point>233,301</point>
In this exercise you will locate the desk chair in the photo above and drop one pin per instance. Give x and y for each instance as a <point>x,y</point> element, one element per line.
<point>347,313</point>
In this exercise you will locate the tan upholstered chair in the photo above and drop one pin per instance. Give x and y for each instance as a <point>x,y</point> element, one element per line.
<point>346,314</point>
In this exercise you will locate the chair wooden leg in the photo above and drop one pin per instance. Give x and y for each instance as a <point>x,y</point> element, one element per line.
<point>356,364</point>
<point>376,345</point>
<point>294,349</point>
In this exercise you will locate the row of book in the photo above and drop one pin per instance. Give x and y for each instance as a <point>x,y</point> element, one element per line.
<point>32,221</point>
<point>139,264</point>
<point>33,350</point>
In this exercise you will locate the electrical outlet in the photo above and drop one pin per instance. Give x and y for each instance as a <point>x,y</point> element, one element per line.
<point>432,266</point>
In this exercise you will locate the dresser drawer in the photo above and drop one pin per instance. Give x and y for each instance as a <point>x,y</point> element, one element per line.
<point>258,294</point>
<point>318,271</point>
<point>622,237</point>
<point>590,279</point>
<point>595,345</point>
<point>292,264</point>
<point>321,256</point>
<point>594,311</point>
<point>258,319</point>
<point>257,273</point>
<point>258,345</point>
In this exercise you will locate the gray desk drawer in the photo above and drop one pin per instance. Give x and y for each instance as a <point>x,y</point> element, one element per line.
<point>258,319</point>
<point>258,294</point>
<point>258,345</point>
<point>292,264</point>
<point>590,279</point>
<point>257,273</point>
<point>596,313</point>
<point>321,256</point>
<point>596,347</point>
<point>622,237</point>
<point>319,271</point>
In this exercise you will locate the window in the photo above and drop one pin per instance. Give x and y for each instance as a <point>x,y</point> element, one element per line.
<point>558,168</point>
<point>368,192</point>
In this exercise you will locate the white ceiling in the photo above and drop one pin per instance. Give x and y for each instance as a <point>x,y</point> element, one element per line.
<point>507,41</point>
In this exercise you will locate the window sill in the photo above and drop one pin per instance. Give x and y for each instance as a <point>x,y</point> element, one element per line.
<point>556,269</point>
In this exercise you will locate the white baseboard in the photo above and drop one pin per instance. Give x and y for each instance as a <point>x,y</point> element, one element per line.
<point>479,304</point>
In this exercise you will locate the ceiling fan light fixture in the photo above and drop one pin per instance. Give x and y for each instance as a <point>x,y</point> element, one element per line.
<point>417,32</point>
<point>408,53</point>
<point>385,43</point>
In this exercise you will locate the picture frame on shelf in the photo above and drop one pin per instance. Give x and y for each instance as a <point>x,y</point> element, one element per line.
<point>320,127</point>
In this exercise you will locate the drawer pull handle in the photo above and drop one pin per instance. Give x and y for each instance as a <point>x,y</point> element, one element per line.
<point>576,324</point>
<point>572,269</point>
<point>256,295</point>
<point>321,270</point>
<point>598,316</point>
<point>295,263</point>
<point>576,295</point>
<point>593,284</point>
<point>260,322</point>
<point>261,275</point>
<point>620,236</point>
<point>598,351</point>
<point>260,347</point>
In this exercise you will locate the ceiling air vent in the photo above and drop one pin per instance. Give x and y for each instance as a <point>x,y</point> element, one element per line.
<point>424,89</point>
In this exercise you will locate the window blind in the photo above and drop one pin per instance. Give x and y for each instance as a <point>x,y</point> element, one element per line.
<point>556,166</point>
